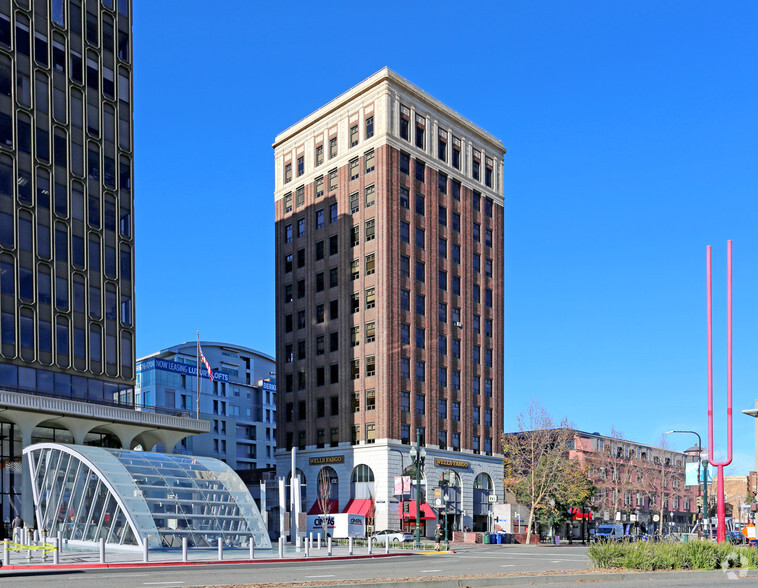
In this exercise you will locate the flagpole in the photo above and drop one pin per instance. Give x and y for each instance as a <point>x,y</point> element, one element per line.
<point>197,365</point>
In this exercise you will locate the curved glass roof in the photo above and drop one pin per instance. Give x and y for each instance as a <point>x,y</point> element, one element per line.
<point>129,497</point>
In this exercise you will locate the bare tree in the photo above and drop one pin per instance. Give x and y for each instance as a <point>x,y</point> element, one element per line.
<point>535,457</point>
<point>324,495</point>
<point>614,474</point>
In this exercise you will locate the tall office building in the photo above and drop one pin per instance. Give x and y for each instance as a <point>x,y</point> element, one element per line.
<point>389,297</point>
<point>66,232</point>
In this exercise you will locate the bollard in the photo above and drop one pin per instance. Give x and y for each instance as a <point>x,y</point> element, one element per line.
<point>281,547</point>
<point>60,540</point>
<point>102,549</point>
<point>57,552</point>
<point>350,546</point>
<point>184,548</point>
<point>252,547</point>
<point>6,553</point>
<point>329,546</point>
<point>44,544</point>
<point>220,549</point>
<point>307,548</point>
<point>310,538</point>
<point>29,543</point>
<point>145,549</point>
<point>297,542</point>
<point>387,546</point>
<point>370,546</point>
<point>318,541</point>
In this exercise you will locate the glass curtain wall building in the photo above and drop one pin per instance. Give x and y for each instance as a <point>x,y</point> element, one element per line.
<point>66,208</point>
<point>132,497</point>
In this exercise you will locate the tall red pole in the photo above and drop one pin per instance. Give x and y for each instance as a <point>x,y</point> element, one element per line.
<point>721,530</point>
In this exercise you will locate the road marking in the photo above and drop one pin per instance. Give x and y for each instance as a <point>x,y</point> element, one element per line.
<point>427,571</point>
<point>324,576</point>
<point>508,566</point>
<point>151,583</point>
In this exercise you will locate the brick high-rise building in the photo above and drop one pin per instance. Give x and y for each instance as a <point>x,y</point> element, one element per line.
<point>389,300</point>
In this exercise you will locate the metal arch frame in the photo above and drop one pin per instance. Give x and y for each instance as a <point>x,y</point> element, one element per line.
<point>96,470</point>
<point>720,509</point>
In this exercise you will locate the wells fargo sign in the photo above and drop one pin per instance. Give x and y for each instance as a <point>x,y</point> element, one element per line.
<point>325,460</point>
<point>450,463</point>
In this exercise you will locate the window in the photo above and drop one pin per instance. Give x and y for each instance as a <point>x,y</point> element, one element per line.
<point>333,277</point>
<point>354,173</point>
<point>476,354</point>
<point>488,207</point>
<point>442,376</point>
<point>455,315</point>
<point>369,191</point>
<point>419,170</point>
<point>319,155</point>
<point>288,202</point>
<point>420,242</point>
<point>369,161</point>
<point>355,302</point>
<point>404,127</point>
<point>353,135</point>
<point>420,371</point>
<point>319,253</point>
<point>420,304</point>
<point>320,345</point>
<point>441,149</point>
<point>456,253</point>
<point>404,231</point>
<point>334,373</point>
<point>476,384</point>
<point>488,176</point>
<point>405,334</point>
<point>456,157</point>
<point>442,279</point>
<point>405,197</point>
<point>456,189</point>
<point>405,367</point>
<point>405,163</point>
<point>319,186</point>
<point>355,336</point>
<point>477,262</point>
<point>370,230</point>
<point>488,237</point>
<point>456,224</point>
<point>300,166</point>
<point>332,180</point>
<point>288,233</point>
<point>442,344</point>
<point>355,369</point>
<point>442,213</point>
<point>442,408</point>
<point>356,404</point>
<point>488,327</point>
<point>442,439</point>
<point>355,236</point>
<point>405,300</point>
<point>488,297</point>
<point>420,136</point>
<point>420,273</point>
<point>456,413</point>
<point>488,267</point>
<point>288,323</point>
<point>475,169</point>
<point>369,127</point>
<point>487,417</point>
<point>488,387</point>
<point>370,263</point>
<point>442,183</point>
<point>405,401</point>
<point>333,213</point>
<point>456,441</point>
<point>420,404</point>
<point>475,415</point>
<point>456,348</point>
<point>287,293</point>
<point>332,147</point>
<point>287,173</point>
<point>419,204</point>
<point>370,331</point>
<point>370,365</point>
<point>301,227</point>
<point>442,312</point>
<point>476,232</point>
<point>370,432</point>
<point>320,218</point>
<point>300,258</point>
<point>301,289</point>
<point>333,310</point>
<point>334,245</point>
<point>356,434</point>
<point>370,398</point>
<point>456,285</point>
<point>477,295</point>
<point>319,313</point>
<point>442,247</point>
<point>456,379</point>
<point>355,269</point>
<point>420,338</point>
<point>488,445</point>
<point>370,297</point>
<point>287,263</point>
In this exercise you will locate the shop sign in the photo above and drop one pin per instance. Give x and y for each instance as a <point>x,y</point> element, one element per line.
<point>327,460</point>
<point>450,463</point>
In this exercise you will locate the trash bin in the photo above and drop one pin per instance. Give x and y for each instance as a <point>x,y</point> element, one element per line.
<point>557,539</point>
<point>487,538</point>
<point>500,537</point>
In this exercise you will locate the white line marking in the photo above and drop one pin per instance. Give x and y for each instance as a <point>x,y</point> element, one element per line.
<point>427,571</point>
<point>150,583</point>
<point>508,566</point>
<point>324,576</point>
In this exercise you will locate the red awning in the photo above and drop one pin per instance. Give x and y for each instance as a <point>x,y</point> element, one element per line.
<point>334,506</point>
<point>361,506</point>
<point>427,513</point>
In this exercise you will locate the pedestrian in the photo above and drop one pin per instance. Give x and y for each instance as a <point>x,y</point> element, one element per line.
<point>437,537</point>
<point>18,529</point>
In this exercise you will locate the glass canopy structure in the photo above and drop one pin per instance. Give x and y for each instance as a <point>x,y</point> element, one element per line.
<point>132,497</point>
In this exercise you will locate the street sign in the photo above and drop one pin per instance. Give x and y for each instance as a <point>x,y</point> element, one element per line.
<point>492,498</point>
<point>656,518</point>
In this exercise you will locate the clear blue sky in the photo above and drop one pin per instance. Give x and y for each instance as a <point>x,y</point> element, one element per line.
<point>632,137</point>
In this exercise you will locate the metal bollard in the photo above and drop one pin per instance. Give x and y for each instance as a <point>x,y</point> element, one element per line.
<point>29,543</point>
<point>60,540</point>
<point>307,548</point>
<point>310,538</point>
<point>370,546</point>
<point>329,546</point>
<point>6,553</point>
<point>184,548</point>
<point>145,550</point>
<point>44,544</point>
<point>57,552</point>
<point>387,546</point>
<point>318,541</point>
<point>281,547</point>
<point>350,546</point>
<point>102,549</point>
<point>220,549</point>
<point>252,547</point>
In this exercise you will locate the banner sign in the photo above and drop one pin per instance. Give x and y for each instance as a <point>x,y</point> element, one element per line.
<point>269,385</point>
<point>179,368</point>
<point>402,484</point>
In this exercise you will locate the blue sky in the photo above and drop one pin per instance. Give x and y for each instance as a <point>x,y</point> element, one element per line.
<point>632,137</point>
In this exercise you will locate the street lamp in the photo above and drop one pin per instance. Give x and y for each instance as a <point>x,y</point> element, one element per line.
<point>418,455</point>
<point>402,490</point>
<point>704,512</point>
<point>446,497</point>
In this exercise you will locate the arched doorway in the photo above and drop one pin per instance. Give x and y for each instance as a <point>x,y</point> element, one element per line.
<point>362,494</point>
<point>450,511</point>
<point>327,492</point>
<point>483,488</point>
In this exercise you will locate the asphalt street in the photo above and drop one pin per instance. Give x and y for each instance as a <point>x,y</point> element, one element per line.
<point>467,561</point>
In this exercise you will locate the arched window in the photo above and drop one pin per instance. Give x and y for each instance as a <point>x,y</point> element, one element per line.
<point>362,482</point>
<point>483,488</point>
<point>327,491</point>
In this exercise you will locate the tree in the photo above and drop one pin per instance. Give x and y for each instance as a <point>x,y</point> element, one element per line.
<point>535,459</point>
<point>324,495</point>
<point>616,480</point>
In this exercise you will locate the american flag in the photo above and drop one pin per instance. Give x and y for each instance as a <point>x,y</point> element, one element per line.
<point>205,361</point>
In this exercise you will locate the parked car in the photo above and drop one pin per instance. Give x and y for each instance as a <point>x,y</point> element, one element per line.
<point>388,535</point>
<point>610,533</point>
<point>736,538</point>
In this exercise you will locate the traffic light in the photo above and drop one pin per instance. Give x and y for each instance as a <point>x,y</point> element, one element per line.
<point>406,507</point>
<point>700,502</point>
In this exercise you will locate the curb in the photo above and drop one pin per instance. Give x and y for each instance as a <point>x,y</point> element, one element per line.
<point>156,564</point>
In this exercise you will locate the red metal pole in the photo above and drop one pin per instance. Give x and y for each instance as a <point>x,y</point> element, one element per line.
<point>720,511</point>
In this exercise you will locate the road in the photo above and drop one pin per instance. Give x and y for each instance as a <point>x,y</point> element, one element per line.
<point>467,561</point>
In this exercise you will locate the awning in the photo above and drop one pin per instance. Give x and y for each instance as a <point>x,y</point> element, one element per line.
<point>334,506</point>
<point>427,513</point>
<point>361,506</point>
